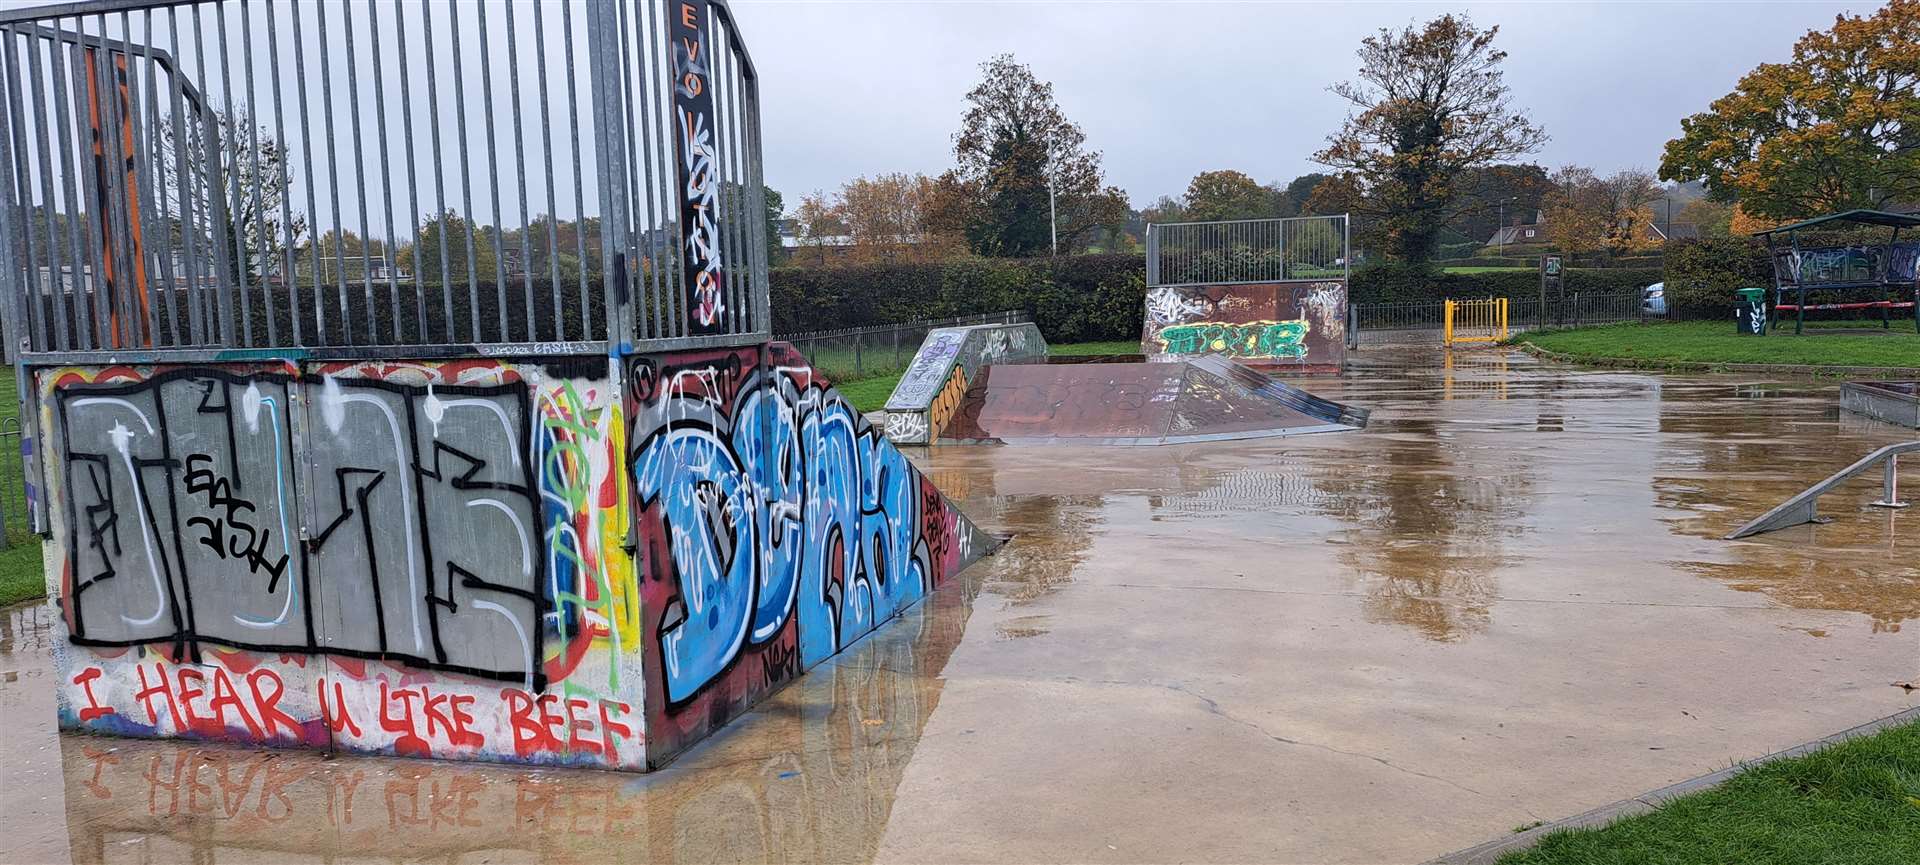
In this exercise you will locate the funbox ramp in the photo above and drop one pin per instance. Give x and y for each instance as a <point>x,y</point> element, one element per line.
<point>1209,398</point>
<point>579,560</point>
<point>931,389</point>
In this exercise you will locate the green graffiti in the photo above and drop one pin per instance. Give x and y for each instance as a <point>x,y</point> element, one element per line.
<point>1253,339</point>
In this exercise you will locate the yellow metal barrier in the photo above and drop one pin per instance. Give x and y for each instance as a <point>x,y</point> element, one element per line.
<point>1476,320</point>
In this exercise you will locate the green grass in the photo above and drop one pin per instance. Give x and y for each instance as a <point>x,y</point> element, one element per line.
<point>869,392</point>
<point>20,575</point>
<point>1715,342</point>
<point>1856,803</point>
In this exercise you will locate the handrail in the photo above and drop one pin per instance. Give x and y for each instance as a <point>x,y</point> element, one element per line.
<point>1801,508</point>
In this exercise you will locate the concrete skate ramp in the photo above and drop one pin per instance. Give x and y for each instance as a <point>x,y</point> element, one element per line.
<point>1207,399</point>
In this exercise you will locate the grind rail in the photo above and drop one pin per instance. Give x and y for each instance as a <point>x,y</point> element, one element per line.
<point>1802,508</point>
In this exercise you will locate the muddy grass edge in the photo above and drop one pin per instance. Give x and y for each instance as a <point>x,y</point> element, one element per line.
<point>1659,365</point>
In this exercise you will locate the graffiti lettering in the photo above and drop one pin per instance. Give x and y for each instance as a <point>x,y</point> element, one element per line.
<point>1251,340</point>
<point>701,267</point>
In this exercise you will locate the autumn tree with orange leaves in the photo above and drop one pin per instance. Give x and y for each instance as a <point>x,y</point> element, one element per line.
<point>1835,129</point>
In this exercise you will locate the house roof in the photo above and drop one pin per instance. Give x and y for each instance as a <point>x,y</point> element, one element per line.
<point>1864,217</point>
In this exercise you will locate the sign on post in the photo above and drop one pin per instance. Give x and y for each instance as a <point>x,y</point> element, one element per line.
<point>1550,278</point>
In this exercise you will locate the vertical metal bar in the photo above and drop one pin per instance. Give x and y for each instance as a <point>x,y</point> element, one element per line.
<point>579,190</point>
<point>230,141</point>
<point>290,276</point>
<point>261,237</point>
<point>413,183</point>
<point>386,165</point>
<point>520,171</point>
<point>114,126</point>
<point>215,202</point>
<point>14,227</point>
<point>493,174</point>
<point>54,307</point>
<point>763,279</point>
<point>668,271</point>
<point>466,175</point>
<point>360,173</point>
<point>654,72</point>
<point>83,331</point>
<point>156,174</point>
<point>333,176</point>
<point>736,168</point>
<point>139,91</point>
<point>31,311</point>
<point>719,73</point>
<point>439,178</point>
<point>86,111</point>
<point>546,139</point>
<point>313,195</point>
<point>606,103</point>
<point>620,322</point>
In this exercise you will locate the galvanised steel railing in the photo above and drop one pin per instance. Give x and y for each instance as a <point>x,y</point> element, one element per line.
<point>1249,250</point>
<point>207,179</point>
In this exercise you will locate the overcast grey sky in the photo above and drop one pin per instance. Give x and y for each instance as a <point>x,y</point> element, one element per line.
<point>1167,89</point>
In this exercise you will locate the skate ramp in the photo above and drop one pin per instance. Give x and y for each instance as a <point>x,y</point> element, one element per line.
<point>932,388</point>
<point>1207,399</point>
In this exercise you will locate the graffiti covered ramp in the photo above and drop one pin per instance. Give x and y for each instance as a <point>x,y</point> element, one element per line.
<point>1208,399</point>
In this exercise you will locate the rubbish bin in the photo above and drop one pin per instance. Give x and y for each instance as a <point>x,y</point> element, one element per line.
<point>1750,311</point>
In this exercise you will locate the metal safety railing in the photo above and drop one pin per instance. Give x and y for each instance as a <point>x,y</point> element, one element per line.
<point>1802,508</point>
<point>1249,250</point>
<point>180,179</point>
<point>1475,321</point>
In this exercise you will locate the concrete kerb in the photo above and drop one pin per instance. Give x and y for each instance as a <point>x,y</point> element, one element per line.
<point>1491,851</point>
<point>1809,370</point>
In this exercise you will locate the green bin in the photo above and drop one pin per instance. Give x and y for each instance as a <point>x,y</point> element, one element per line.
<point>1750,311</point>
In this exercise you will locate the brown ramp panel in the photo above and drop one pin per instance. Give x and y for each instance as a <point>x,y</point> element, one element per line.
<point>1137,404</point>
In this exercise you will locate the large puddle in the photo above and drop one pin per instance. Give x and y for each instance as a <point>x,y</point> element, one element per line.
<point>1506,600</point>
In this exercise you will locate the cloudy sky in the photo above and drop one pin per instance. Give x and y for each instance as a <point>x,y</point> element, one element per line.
<point>1167,89</point>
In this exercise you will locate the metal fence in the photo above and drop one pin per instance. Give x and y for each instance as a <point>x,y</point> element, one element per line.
<point>16,521</point>
<point>182,178</point>
<point>1420,320</point>
<point>861,352</point>
<point>1248,250</point>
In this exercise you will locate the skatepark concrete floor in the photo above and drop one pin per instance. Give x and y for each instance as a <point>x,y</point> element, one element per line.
<point>1506,601</point>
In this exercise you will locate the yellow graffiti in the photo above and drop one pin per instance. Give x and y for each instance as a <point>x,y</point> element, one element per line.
<point>946,402</point>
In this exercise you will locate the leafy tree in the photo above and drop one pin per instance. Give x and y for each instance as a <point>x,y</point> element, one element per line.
<point>776,210</point>
<point>248,158</point>
<point>1014,143</point>
<point>1431,103</point>
<point>1222,195</point>
<point>1837,128</point>
<point>1589,213</point>
<point>455,231</point>
<point>1713,218</point>
<point>1489,194</point>
<point>1300,189</point>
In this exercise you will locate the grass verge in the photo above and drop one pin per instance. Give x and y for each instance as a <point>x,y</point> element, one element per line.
<point>1854,802</point>
<point>1715,342</point>
<point>869,393</point>
<point>20,575</point>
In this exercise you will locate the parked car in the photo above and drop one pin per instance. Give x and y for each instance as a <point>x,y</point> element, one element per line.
<point>1653,299</point>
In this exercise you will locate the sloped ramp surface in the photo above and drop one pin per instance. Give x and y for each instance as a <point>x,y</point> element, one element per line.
<point>1207,399</point>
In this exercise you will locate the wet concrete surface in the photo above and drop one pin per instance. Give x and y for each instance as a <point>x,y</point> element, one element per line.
<point>1505,601</point>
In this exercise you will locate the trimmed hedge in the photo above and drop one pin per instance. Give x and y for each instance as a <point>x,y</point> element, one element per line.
<point>1702,274</point>
<point>1088,298</point>
<point>1081,298</point>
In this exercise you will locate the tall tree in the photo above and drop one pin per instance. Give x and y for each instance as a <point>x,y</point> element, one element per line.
<point>1589,213</point>
<point>1222,195</point>
<point>1837,128</point>
<point>1431,103</point>
<point>776,211</point>
<point>249,159</point>
<point>455,231</point>
<point>1014,147</point>
<point>1300,190</point>
<point>1497,194</point>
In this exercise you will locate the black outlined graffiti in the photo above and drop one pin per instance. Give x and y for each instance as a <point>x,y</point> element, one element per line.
<point>184,505</point>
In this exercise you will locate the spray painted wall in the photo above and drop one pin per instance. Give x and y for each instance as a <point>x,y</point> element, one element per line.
<point>1286,324</point>
<point>439,558</point>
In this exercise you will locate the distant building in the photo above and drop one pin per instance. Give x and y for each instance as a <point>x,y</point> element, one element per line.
<point>1512,234</point>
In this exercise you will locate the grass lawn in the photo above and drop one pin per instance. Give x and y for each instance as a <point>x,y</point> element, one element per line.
<point>870,392</point>
<point>1715,342</point>
<point>20,576</point>
<point>1855,802</point>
